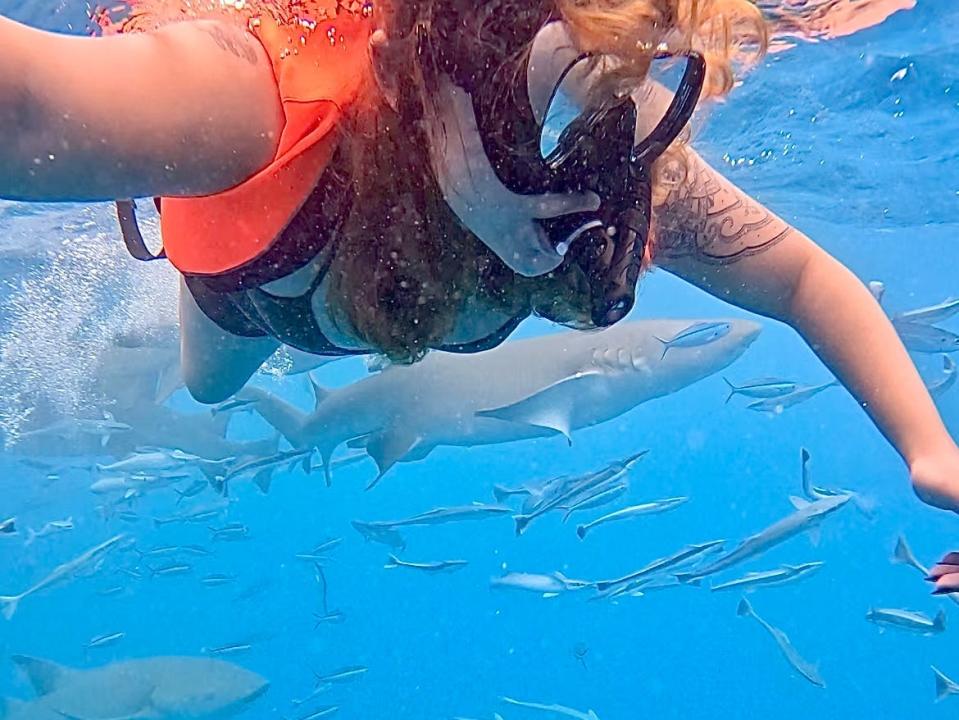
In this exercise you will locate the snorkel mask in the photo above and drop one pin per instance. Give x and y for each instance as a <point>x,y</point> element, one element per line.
<point>594,152</point>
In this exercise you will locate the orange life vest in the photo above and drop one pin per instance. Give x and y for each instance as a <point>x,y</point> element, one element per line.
<point>320,59</point>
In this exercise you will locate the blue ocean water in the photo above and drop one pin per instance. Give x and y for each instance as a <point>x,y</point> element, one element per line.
<point>852,140</point>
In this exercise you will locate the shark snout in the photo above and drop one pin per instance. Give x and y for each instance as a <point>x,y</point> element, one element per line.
<point>748,331</point>
<point>257,693</point>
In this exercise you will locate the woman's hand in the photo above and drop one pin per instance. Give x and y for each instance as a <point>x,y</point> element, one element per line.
<point>935,477</point>
<point>504,221</point>
<point>945,574</point>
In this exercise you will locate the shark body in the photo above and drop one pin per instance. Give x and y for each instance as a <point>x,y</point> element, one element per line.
<point>539,387</point>
<point>158,688</point>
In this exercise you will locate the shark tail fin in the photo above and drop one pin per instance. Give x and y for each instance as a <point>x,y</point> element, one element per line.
<point>392,562</point>
<point>31,537</point>
<point>744,608</point>
<point>8,605</point>
<point>263,480</point>
<point>944,686</point>
<point>865,505</point>
<point>939,622</point>
<point>501,493</point>
<point>902,554</point>
<point>581,531</point>
<point>522,522</point>
<point>732,389</point>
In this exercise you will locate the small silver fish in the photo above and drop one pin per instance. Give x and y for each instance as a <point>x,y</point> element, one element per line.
<point>908,620</point>
<point>800,665</point>
<point>549,586</point>
<point>53,527</point>
<point>649,508</point>
<point>768,578</point>
<point>944,686</point>
<point>553,708</point>
<point>761,388</point>
<point>776,405</point>
<point>194,515</point>
<point>656,567</point>
<point>191,491</point>
<point>942,384</point>
<point>383,535</point>
<point>334,617</point>
<point>171,570</point>
<point>321,713</point>
<point>603,496</point>
<point>922,338</point>
<point>231,649</point>
<point>8,526</point>
<point>231,531</point>
<point>217,579</point>
<point>696,335</point>
<point>326,546</point>
<point>438,566</point>
<point>931,313</point>
<point>350,672</point>
<point>101,641</point>
<point>157,551</point>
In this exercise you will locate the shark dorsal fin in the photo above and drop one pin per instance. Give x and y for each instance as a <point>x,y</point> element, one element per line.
<point>44,675</point>
<point>319,393</point>
<point>798,502</point>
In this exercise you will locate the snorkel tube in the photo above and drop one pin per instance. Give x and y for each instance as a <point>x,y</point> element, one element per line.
<point>596,152</point>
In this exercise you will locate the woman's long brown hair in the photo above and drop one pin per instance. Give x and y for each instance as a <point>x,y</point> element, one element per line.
<point>404,265</point>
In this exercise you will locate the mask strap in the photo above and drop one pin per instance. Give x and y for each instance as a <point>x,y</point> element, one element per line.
<point>679,112</point>
<point>552,57</point>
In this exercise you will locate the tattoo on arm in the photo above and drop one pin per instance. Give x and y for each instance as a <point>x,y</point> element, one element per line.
<point>709,219</point>
<point>241,49</point>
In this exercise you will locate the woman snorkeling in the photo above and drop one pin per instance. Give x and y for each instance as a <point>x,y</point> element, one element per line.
<point>352,177</point>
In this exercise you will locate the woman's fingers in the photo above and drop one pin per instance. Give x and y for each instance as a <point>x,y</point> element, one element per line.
<point>556,204</point>
<point>948,582</point>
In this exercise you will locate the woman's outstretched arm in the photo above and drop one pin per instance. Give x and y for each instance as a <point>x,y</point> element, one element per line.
<point>190,109</point>
<point>713,235</point>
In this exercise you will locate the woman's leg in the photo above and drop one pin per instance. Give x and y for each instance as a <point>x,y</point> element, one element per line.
<point>215,363</point>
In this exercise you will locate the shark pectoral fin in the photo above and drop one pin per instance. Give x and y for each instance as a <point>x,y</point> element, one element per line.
<point>390,447</point>
<point>815,535</point>
<point>550,408</point>
<point>43,675</point>
<point>286,419</point>
<point>359,443</point>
